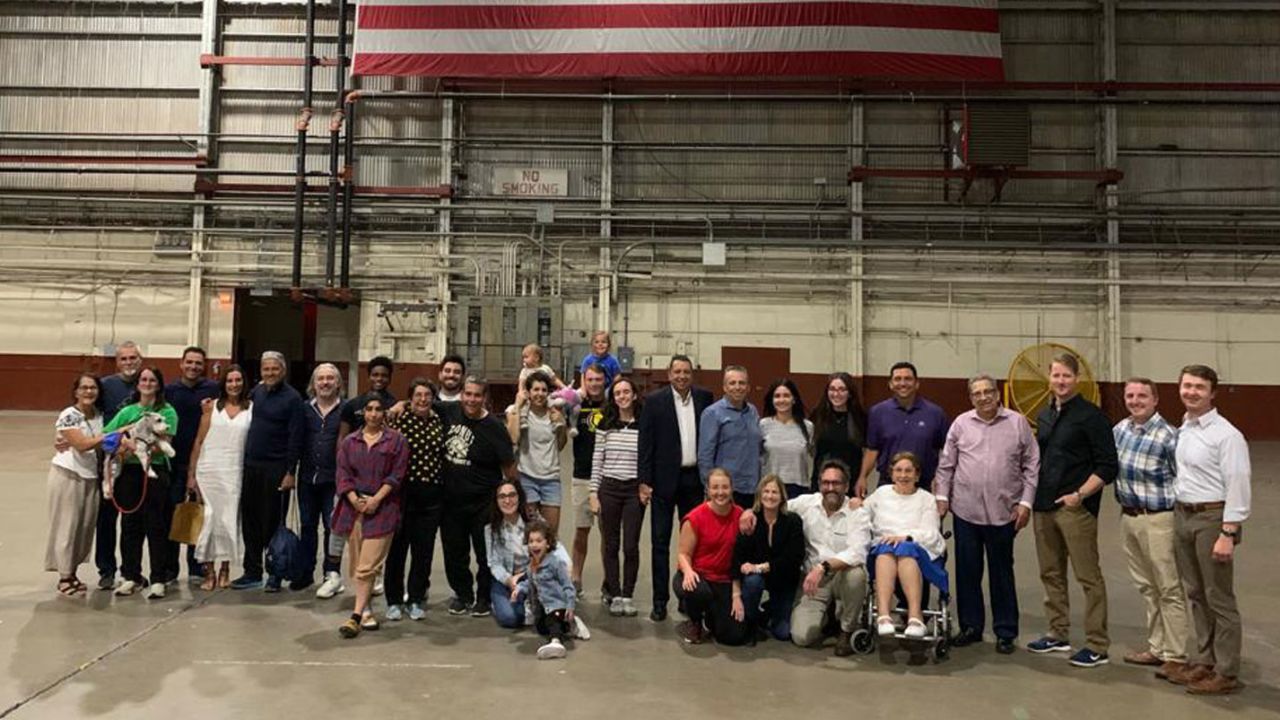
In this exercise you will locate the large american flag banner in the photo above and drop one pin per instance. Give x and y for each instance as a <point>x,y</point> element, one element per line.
<point>953,39</point>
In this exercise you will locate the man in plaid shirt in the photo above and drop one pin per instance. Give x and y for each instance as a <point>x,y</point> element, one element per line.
<point>1145,444</point>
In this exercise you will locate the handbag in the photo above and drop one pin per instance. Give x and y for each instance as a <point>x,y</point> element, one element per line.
<point>188,521</point>
<point>284,552</point>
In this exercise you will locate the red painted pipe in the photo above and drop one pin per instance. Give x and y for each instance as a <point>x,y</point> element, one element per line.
<point>196,160</point>
<point>435,191</point>
<point>1108,176</point>
<point>207,60</point>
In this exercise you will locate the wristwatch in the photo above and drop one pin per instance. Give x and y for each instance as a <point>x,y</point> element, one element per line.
<point>1233,534</point>
<point>826,568</point>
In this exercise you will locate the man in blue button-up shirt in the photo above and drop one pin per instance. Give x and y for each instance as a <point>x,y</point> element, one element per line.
<point>729,437</point>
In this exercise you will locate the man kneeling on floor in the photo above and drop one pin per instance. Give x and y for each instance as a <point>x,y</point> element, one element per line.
<point>836,538</point>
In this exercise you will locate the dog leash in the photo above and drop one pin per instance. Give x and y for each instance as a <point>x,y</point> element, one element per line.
<point>109,445</point>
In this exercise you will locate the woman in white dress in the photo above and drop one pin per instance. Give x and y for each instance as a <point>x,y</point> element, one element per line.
<point>217,462</point>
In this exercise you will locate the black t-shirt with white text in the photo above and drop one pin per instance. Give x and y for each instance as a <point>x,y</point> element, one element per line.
<point>474,452</point>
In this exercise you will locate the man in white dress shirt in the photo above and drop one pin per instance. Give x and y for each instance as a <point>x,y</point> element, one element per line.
<point>1212,492</point>
<point>836,541</point>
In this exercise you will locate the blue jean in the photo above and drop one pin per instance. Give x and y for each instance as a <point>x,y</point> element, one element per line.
<point>315,506</point>
<point>506,613</point>
<point>776,614</point>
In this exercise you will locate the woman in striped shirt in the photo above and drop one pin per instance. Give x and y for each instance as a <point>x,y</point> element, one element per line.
<point>616,496</point>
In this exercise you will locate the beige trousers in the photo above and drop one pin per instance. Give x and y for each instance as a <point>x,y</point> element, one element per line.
<point>73,515</point>
<point>365,556</point>
<point>1153,565</point>
<point>847,589</point>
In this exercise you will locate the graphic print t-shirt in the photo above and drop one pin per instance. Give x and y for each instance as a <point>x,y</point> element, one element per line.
<point>584,444</point>
<point>474,452</point>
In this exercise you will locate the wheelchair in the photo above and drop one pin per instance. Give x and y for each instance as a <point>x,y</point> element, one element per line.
<point>938,618</point>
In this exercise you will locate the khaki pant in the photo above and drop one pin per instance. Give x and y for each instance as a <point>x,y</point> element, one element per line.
<point>1210,595</point>
<point>847,589</point>
<point>1071,533</point>
<point>73,516</point>
<point>366,555</point>
<point>1153,565</point>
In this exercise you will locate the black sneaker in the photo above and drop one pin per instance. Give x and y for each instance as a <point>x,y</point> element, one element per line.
<point>302,584</point>
<point>966,637</point>
<point>1004,646</point>
<point>107,582</point>
<point>458,606</point>
<point>659,613</point>
<point>480,608</point>
<point>273,584</point>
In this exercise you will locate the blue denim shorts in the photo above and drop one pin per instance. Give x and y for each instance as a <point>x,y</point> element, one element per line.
<point>545,492</point>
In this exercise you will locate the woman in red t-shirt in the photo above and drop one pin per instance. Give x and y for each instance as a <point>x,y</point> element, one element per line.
<point>712,600</point>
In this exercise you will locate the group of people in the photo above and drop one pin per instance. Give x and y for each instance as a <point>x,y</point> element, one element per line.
<point>780,531</point>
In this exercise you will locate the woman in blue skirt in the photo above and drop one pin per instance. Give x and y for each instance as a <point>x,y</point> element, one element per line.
<point>907,544</point>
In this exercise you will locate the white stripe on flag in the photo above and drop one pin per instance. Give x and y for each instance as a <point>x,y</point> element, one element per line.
<point>683,40</point>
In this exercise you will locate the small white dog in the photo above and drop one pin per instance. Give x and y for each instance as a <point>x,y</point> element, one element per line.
<point>149,434</point>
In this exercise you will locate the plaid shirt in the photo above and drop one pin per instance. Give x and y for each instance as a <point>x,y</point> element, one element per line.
<point>1147,465</point>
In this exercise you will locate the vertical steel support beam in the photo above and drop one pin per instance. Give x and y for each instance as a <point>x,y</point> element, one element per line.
<point>604,312</point>
<point>303,127</point>
<point>335,130</point>
<point>448,129</point>
<point>857,334</point>
<point>1112,343</point>
<point>197,312</point>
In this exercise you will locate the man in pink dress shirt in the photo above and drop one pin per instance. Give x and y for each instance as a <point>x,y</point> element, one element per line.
<point>987,478</point>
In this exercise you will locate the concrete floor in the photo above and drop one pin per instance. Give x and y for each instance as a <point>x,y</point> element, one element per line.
<point>201,655</point>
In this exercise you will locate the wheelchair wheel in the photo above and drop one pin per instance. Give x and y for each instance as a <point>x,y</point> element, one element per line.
<point>942,650</point>
<point>862,641</point>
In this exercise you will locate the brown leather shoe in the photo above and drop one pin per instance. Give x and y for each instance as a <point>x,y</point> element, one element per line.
<point>1215,684</point>
<point>1170,669</point>
<point>844,647</point>
<point>1190,674</point>
<point>1145,657</point>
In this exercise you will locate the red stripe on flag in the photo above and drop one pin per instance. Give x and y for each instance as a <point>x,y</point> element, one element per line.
<point>677,15</point>
<point>745,64</point>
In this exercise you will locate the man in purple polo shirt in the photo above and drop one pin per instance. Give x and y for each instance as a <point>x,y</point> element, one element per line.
<point>905,422</point>
<point>987,476</point>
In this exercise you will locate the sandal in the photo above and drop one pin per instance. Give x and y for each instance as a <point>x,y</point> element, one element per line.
<point>70,587</point>
<point>224,577</point>
<point>369,622</point>
<point>915,629</point>
<point>210,580</point>
<point>349,629</point>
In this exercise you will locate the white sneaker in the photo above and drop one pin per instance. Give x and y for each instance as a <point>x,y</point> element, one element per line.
<point>331,586</point>
<point>377,587</point>
<point>915,629</point>
<point>126,588</point>
<point>551,651</point>
<point>417,612</point>
<point>580,630</point>
<point>156,591</point>
<point>629,607</point>
<point>394,613</point>
<point>617,607</point>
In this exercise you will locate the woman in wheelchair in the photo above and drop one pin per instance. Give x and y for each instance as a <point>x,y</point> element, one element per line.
<point>907,542</point>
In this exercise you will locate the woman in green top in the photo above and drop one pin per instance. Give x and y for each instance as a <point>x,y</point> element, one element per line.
<point>144,496</point>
